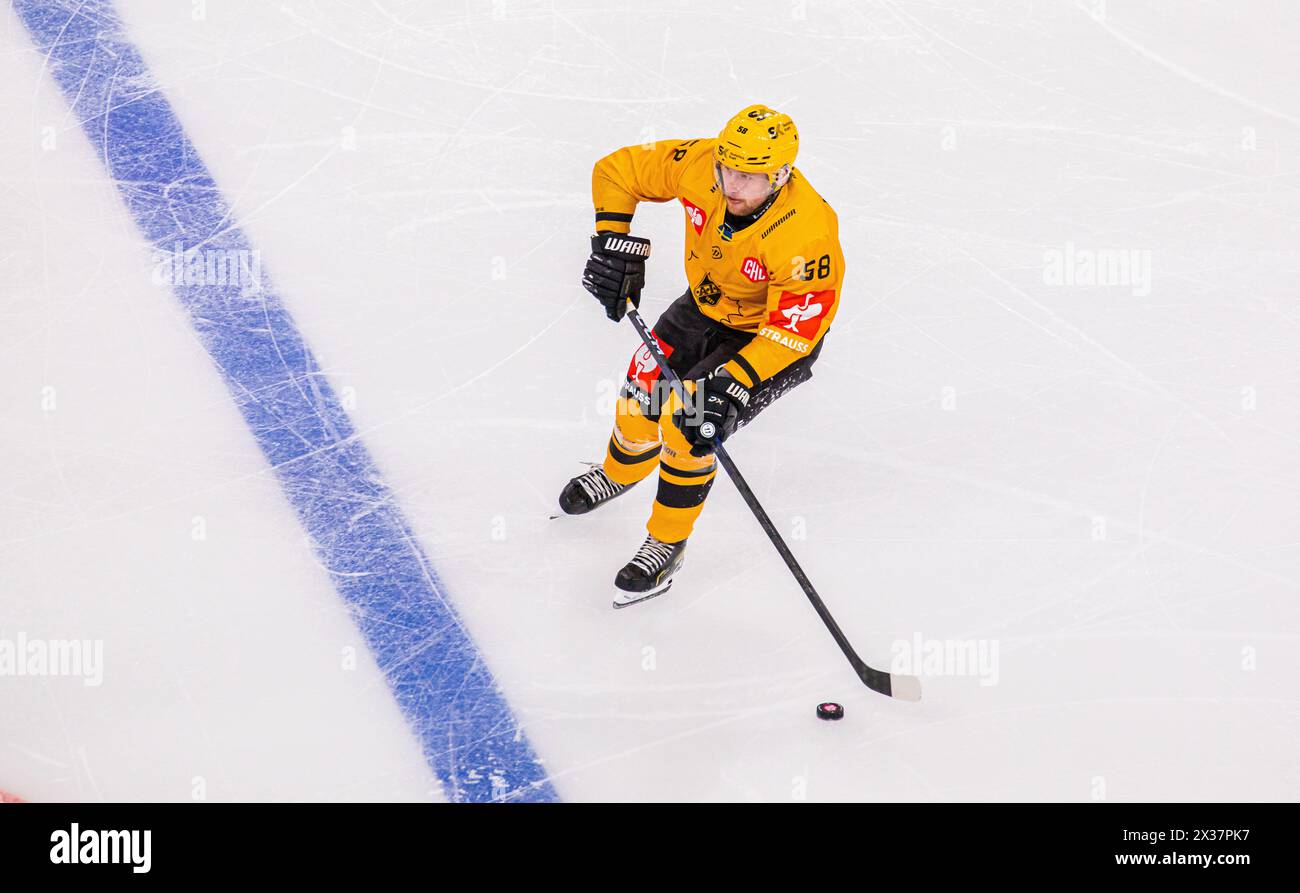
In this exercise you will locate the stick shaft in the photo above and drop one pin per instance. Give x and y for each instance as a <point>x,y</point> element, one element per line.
<point>876,679</point>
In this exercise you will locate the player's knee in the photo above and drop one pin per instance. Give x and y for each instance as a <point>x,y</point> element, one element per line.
<point>672,419</point>
<point>630,421</point>
<point>677,449</point>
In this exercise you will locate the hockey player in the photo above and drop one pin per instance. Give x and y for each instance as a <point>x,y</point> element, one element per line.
<point>764,271</point>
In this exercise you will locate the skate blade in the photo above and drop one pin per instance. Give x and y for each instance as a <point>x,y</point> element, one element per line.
<point>624,599</point>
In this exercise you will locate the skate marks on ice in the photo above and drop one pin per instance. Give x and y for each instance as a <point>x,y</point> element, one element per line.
<point>469,735</point>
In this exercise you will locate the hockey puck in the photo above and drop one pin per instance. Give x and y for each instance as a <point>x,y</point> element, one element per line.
<point>830,710</point>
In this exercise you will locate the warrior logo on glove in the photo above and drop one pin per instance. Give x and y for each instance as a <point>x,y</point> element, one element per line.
<point>626,245</point>
<point>615,272</point>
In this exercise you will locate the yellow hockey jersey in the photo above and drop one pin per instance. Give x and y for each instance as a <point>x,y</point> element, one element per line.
<point>779,277</point>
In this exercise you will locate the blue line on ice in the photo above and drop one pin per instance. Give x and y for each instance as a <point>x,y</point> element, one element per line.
<point>470,737</point>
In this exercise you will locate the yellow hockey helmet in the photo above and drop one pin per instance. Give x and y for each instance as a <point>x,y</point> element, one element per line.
<point>759,140</point>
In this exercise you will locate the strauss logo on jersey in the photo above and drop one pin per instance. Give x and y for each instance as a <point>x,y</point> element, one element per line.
<point>644,369</point>
<point>753,270</point>
<point>798,314</point>
<point>695,215</point>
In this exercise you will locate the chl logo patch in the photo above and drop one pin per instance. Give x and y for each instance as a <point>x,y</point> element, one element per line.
<point>695,214</point>
<point>706,292</point>
<point>643,370</point>
<point>802,315</point>
<point>753,270</point>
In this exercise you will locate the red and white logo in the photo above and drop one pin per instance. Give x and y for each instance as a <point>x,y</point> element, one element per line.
<point>802,314</point>
<point>754,270</point>
<point>695,215</point>
<point>643,370</point>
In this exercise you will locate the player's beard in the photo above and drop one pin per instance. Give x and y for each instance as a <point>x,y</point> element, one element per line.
<point>742,208</point>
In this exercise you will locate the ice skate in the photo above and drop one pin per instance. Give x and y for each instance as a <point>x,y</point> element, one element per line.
<point>589,491</point>
<point>649,573</point>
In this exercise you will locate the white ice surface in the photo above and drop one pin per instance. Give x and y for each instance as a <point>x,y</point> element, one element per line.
<point>416,176</point>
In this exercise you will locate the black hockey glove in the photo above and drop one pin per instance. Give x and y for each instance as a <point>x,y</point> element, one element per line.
<point>719,400</point>
<point>615,271</point>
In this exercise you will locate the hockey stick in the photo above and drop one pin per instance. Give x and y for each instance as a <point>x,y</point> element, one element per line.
<point>907,688</point>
